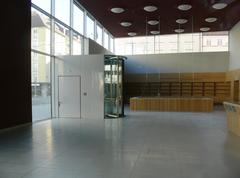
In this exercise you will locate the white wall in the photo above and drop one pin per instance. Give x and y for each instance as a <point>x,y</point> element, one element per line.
<point>173,63</point>
<point>235,47</point>
<point>91,70</point>
<point>95,48</point>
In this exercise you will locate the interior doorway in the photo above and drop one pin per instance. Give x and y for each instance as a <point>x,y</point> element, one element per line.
<point>236,90</point>
<point>69,97</point>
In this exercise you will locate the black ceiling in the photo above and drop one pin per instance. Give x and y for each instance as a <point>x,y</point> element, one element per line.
<point>167,12</point>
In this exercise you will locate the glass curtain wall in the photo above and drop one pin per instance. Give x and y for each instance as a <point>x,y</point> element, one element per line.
<point>41,86</point>
<point>59,27</point>
<point>176,43</point>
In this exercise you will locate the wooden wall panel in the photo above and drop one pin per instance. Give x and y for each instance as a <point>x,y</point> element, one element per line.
<point>179,104</point>
<point>232,76</point>
<point>186,84</point>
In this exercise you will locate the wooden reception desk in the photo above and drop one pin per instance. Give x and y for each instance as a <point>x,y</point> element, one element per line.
<point>179,104</point>
<point>233,116</point>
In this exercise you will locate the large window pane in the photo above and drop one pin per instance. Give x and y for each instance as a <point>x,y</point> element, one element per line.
<point>62,10</point>
<point>150,45</point>
<point>99,35</point>
<point>41,87</point>
<point>90,28</point>
<point>124,46</point>
<point>43,4</point>
<point>111,44</point>
<point>77,44</point>
<point>139,45</point>
<point>61,39</point>
<point>215,41</point>
<point>166,44</point>
<point>41,27</point>
<point>189,42</point>
<point>106,40</point>
<point>78,19</point>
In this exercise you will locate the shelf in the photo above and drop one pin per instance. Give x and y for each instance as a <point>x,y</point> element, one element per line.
<point>218,90</point>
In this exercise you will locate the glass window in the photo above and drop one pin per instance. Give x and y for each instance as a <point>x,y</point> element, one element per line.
<point>99,35</point>
<point>61,39</point>
<point>124,46</point>
<point>62,10</point>
<point>43,4</point>
<point>215,41</point>
<point>77,44</point>
<point>166,44</point>
<point>41,87</point>
<point>40,31</point>
<point>150,45</point>
<point>111,44</point>
<point>78,19</point>
<point>90,27</point>
<point>139,45</point>
<point>189,42</point>
<point>106,40</point>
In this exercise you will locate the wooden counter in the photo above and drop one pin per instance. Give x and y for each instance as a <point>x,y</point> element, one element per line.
<point>233,116</point>
<point>180,104</point>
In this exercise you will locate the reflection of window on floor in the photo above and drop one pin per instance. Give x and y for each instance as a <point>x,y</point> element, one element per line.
<point>41,87</point>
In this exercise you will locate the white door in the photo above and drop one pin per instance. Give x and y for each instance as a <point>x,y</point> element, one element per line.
<point>69,101</point>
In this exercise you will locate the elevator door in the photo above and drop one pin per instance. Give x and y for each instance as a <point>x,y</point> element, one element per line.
<point>69,101</point>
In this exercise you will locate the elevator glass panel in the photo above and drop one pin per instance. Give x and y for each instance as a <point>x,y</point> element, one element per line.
<point>113,101</point>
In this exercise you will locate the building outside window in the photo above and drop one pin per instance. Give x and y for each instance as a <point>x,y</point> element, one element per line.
<point>41,31</point>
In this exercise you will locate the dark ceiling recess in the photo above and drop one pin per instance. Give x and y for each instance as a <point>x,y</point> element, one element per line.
<point>167,12</point>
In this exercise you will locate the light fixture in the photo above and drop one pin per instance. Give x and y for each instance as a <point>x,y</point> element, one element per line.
<point>184,7</point>
<point>181,21</point>
<point>155,32</point>
<point>153,22</point>
<point>132,34</point>
<point>150,8</point>
<point>211,19</point>
<point>204,29</point>
<point>179,30</point>
<point>219,6</point>
<point>126,24</point>
<point>117,10</point>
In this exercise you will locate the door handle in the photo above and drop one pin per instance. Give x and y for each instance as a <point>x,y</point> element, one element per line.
<point>59,103</point>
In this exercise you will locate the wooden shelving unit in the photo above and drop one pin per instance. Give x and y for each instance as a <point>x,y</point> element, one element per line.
<point>219,91</point>
<point>198,89</point>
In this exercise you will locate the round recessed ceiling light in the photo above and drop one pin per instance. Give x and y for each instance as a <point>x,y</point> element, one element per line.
<point>179,30</point>
<point>184,7</point>
<point>150,8</point>
<point>117,10</point>
<point>153,22</point>
<point>126,24</point>
<point>211,19</point>
<point>219,6</point>
<point>132,34</point>
<point>181,21</point>
<point>204,29</point>
<point>155,32</point>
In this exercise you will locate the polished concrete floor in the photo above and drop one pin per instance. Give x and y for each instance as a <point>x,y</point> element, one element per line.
<point>143,145</point>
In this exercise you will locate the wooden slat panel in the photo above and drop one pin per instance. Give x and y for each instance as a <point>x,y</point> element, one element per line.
<point>181,104</point>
